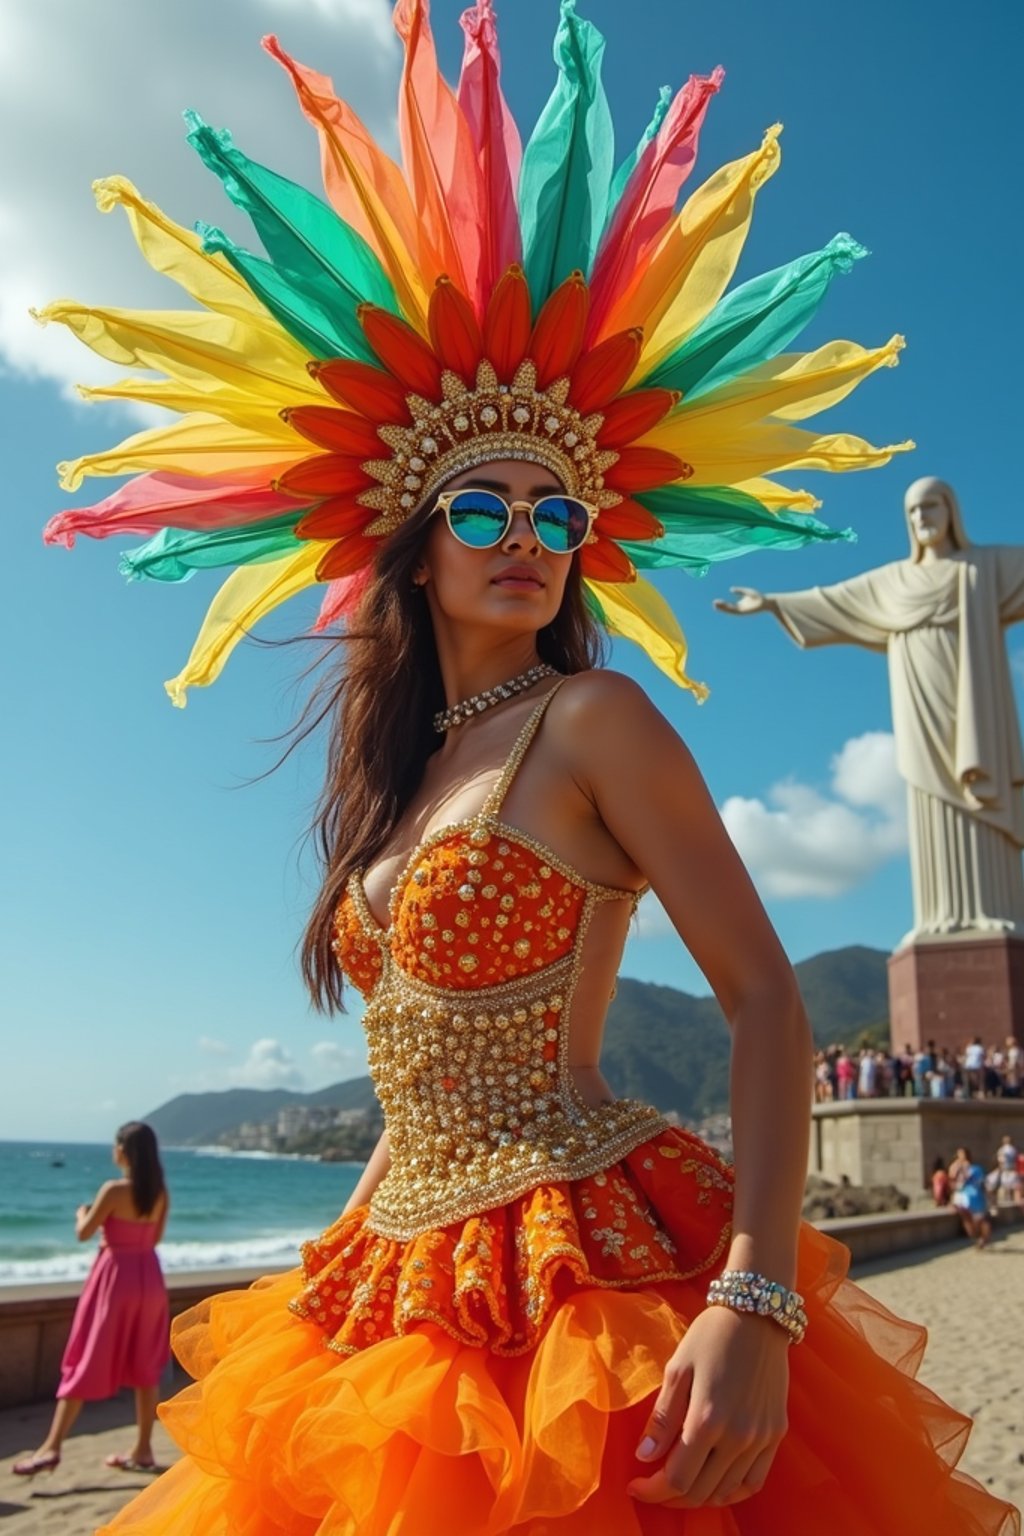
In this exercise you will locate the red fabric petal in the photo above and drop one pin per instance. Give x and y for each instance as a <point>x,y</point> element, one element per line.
<point>454,332</point>
<point>403,352</point>
<point>630,416</point>
<point>605,561</point>
<point>351,554</point>
<point>558,335</point>
<point>363,388</point>
<point>642,469</point>
<point>334,519</point>
<point>328,474</point>
<point>507,324</point>
<point>341,431</point>
<point>629,520</point>
<point>603,371</point>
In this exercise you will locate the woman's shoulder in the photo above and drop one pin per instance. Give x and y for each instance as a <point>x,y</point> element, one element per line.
<point>601,701</point>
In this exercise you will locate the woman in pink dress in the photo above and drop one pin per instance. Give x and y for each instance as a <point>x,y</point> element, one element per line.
<point>119,1334</point>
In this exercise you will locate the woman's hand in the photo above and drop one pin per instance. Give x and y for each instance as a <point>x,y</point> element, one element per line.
<point>720,1415</point>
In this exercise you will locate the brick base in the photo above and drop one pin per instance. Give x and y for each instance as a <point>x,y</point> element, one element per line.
<point>951,990</point>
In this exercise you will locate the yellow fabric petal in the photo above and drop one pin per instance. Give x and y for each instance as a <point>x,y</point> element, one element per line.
<point>196,445</point>
<point>696,258</point>
<point>262,417</point>
<point>787,388</point>
<point>193,347</point>
<point>778,498</point>
<point>637,611</point>
<point>178,253</point>
<point>247,596</point>
<point>768,447</point>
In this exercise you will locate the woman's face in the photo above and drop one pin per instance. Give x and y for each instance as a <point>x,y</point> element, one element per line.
<point>517,585</point>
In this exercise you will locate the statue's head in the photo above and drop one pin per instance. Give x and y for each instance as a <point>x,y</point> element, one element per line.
<point>933,517</point>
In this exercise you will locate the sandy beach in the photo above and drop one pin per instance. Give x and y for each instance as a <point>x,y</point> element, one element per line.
<point>970,1302</point>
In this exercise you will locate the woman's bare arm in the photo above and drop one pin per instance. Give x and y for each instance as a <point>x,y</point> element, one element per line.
<point>377,1165</point>
<point>89,1217</point>
<point>721,1413</point>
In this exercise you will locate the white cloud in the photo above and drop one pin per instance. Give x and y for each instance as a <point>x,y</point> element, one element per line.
<point>332,1059</point>
<point>91,90</point>
<point>269,1064</point>
<point>799,842</point>
<point>211,1047</point>
<point>652,921</point>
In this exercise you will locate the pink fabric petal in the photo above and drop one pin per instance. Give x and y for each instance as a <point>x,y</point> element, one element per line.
<point>342,598</point>
<point>151,502</point>
<point>649,198</point>
<point>440,164</point>
<point>496,142</point>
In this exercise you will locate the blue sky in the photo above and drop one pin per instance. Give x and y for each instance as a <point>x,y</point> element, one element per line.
<point>152,904</point>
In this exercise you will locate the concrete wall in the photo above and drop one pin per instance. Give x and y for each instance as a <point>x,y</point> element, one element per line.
<point>896,1141</point>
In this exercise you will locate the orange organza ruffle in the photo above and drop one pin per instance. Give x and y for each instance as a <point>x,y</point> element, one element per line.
<point>423,1434</point>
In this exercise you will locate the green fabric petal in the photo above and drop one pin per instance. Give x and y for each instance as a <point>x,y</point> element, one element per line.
<point>175,554</point>
<point>325,260</point>
<point>568,163</point>
<point>629,165</point>
<point>755,321</point>
<point>712,523</point>
<point>322,333</point>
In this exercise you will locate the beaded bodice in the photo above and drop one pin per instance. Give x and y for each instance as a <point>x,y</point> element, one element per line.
<point>469,991</point>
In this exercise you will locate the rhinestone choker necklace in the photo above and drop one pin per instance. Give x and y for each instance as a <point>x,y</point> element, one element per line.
<point>467,708</point>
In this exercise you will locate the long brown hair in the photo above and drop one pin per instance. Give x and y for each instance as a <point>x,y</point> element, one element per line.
<point>138,1142</point>
<point>379,699</point>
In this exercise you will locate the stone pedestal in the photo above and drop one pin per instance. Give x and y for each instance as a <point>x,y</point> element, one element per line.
<point>896,1141</point>
<point>949,990</point>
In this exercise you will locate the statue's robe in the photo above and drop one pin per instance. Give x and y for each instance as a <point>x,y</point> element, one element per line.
<point>954,716</point>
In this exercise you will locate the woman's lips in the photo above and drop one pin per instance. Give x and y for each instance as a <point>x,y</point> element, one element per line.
<point>519,576</point>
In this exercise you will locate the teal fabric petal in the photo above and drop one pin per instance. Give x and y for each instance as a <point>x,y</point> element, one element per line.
<point>712,523</point>
<point>568,163</point>
<point>322,333</point>
<point>629,165</point>
<point>175,554</point>
<point>325,259</point>
<point>756,321</point>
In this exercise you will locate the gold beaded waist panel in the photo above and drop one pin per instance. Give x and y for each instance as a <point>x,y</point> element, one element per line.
<point>478,1098</point>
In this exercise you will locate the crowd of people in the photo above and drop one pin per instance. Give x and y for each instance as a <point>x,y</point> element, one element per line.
<point>976,1072</point>
<point>976,1194</point>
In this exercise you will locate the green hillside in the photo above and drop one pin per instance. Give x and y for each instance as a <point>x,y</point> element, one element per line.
<point>661,1045</point>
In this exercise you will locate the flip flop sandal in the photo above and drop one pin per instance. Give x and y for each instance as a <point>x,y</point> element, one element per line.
<point>129,1464</point>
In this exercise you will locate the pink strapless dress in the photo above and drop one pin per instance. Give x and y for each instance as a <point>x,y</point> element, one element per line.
<point>120,1332</point>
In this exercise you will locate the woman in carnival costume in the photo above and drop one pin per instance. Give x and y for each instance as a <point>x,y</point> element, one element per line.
<point>474,398</point>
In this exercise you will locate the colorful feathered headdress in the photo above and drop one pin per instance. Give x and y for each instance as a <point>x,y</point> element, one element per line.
<point>482,302</point>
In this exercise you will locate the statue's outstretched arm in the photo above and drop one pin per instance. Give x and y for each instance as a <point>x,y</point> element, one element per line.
<point>852,612</point>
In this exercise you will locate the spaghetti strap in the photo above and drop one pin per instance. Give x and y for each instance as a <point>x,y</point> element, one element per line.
<point>492,805</point>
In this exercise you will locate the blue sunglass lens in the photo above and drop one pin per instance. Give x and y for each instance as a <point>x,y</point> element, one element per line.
<point>477,518</point>
<point>562,523</point>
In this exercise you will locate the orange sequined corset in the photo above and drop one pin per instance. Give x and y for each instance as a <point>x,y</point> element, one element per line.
<point>469,991</point>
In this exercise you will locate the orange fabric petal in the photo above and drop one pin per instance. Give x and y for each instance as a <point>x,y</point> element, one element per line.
<point>558,335</point>
<point>630,416</point>
<point>642,469</point>
<point>402,350</point>
<point>350,555</point>
<point>507,324</point>
<point>334,519</point>
<point>341,431</point>
<point>326,474</point>
<point>441,168</point>
<point>454,332</point>
<point>605,561</point>
<point>364,389</point>
<point>364,185</point>
<point>629,520</point>
<point>602,372</point>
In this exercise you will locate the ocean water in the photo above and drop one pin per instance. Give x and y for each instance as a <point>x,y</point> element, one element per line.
<point>226,1208</point>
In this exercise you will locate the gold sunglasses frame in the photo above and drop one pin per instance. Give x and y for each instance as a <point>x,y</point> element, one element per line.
<point>445,499</point>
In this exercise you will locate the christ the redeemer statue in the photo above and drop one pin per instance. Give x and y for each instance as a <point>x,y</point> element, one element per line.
<point>939,616</point>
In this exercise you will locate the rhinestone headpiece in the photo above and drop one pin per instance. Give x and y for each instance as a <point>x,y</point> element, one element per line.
<point>476,426</point>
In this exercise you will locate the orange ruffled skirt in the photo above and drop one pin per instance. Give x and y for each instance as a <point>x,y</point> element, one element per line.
<point>495,1376</point>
